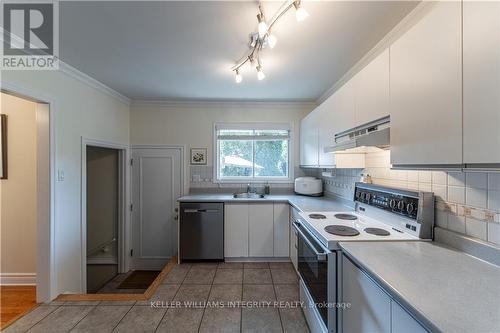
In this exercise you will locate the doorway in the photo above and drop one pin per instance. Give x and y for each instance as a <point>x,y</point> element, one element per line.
<point>104,215</point>
<point>24,204</point>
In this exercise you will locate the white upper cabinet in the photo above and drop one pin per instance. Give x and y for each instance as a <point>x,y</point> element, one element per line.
<point>326,135</point>
<point>481,73</point>
<point>309,140</point>
<point>371,87</point>
<point>426,89</point>
<point>343,106</point>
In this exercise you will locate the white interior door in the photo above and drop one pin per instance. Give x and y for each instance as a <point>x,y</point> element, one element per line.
<point>156,185</point>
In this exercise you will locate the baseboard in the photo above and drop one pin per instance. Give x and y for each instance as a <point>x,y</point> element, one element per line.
<point>18,279</point>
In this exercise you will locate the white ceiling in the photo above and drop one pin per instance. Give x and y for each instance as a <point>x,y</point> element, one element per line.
<point>165,50</point>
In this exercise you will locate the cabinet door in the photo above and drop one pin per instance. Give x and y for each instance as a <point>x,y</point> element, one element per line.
<point>426,89</point>
<point>260,230</point>
<point>403,322</point>
<point>372,90</point>
<point>309,140</point>
<point>326,135</point>
<point>281,233</point>
<point>294,214</point>
<point>481,52</point>
<point>236,230</point>
<point>370,309</point>
<point>343,105</point>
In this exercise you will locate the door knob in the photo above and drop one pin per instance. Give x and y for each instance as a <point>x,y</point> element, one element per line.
<point>176,217</point>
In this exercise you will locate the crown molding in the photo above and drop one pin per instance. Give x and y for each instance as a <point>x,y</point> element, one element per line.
<point>399,29</point>
<point>224,103</point>
<point>91,82</point>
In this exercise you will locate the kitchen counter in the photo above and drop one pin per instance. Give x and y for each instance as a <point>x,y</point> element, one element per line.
<point>302,203</point>
<point>447,290</point>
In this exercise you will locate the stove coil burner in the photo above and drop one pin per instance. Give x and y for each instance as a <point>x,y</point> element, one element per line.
<point>377,231</point>
<point>317,216</point>
<point>346,217</point>
<point>341,230</point>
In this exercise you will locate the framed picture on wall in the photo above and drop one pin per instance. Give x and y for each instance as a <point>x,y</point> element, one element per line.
<point>3,146</point>
<point>198,156</point>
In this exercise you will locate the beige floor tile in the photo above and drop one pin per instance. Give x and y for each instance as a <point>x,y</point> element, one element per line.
<point>185,320</point>
<point>225,293</point>
<point>284,276</point>
<point>293,320</point>
<point>102,319</point>
<point>280,265</point>
<point>140,319</point>
<point>257,276</point>
<point>176,275</point>
<point>256,265</point>
<point>200,275</point>
<point>258,292</point>
<point>224,265</point>
<point>193,293</point>
<point>260,320</point>
<point>30,319</point>
<point>164,293</point>
<point>287,292</point>
<point>228,276</point>
<point>62,320</point>
<point>221,320</point>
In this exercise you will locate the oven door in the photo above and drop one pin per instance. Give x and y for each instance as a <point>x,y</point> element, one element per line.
<point>313,268</point>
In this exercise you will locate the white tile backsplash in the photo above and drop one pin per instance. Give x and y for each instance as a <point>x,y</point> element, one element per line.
<point>456,179</point>
<point>476,228</point>
<point>494,233</point>
<point>460,196</point>
<point>456,194</point>
<point>494,200</point>
<point>476,180</point>
<point>476,197</point>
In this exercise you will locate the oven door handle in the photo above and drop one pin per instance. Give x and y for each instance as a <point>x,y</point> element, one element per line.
<point>320,255</point>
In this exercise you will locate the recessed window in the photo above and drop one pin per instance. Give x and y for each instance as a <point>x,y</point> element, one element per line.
<point>252,152</point>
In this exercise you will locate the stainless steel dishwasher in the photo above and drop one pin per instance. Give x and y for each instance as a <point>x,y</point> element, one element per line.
<point>201,231</point>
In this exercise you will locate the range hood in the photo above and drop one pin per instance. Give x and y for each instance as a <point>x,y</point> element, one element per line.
<point>370,137</point>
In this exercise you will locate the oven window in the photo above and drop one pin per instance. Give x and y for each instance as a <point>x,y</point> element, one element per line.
<point>314,274</point>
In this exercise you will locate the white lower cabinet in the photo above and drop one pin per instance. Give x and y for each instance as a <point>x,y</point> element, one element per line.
<point>372,309</point>
<point>260,230</point>
<point>281,227</point>
<point>403,322</point>
<point>236,230</point>
<point>294,213</point>
<point>256,230</point>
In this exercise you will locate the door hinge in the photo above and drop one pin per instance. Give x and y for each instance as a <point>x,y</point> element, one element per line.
<point>131,252</point>
<point>131,161</point>
<point>131,207</point>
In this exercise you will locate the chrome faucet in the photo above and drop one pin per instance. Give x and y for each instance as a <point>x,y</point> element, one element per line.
<point>251,189</point>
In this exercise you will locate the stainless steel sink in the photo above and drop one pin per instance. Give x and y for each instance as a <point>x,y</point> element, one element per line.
<point>247,195</point>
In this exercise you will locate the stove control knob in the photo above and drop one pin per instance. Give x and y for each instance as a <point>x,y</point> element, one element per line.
<point>358,195</point>
<point>392,203</point>
<point>368,196</point>
<point>363,195</point>
<point>410,208</point>
<point>401,205</point>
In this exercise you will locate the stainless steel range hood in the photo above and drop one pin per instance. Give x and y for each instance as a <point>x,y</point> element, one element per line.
<point>369,137</point>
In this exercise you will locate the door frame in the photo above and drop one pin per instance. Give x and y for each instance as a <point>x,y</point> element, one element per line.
<point>123,206</point>
<point>182,150</point>
<point>46,275</point>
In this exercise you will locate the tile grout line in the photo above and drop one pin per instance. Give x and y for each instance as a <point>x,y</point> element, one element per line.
<point>73,327</point>
<point>205,307</point>
<point>119,321</point>
<point>276,297</point>
<point>48,314</point>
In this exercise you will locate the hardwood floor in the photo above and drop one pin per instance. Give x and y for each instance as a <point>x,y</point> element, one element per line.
<point>14,302</point>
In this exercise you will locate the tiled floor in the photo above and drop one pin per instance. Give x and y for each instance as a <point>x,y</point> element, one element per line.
<point>111,287</point>
<point>220,284</point>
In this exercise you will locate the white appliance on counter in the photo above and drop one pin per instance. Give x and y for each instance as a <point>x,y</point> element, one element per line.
<point>310,186</point>
<point>380,214</point>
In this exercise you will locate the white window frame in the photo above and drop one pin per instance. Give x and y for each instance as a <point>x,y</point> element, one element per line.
<point>254,126</point>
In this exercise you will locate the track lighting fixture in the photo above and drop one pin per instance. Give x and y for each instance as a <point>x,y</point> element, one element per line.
<point>300,13</point>
<point>264,38</point>
<point>238,78</point>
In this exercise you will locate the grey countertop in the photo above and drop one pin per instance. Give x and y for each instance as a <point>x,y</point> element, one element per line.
<point>302,203</point>
<point>446,289</point>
